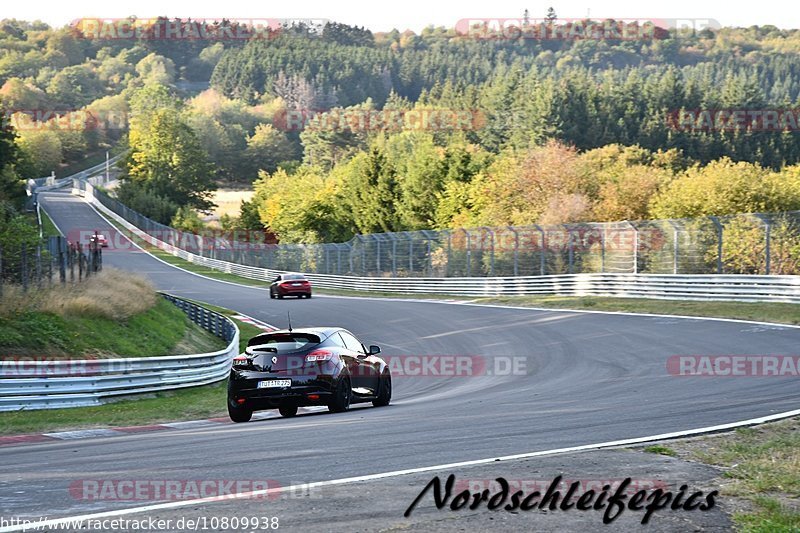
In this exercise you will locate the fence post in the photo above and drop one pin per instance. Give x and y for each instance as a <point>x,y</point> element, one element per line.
<point>469,252</point>
<point>767,232</point>
<point>24,267</point>
<point>603,249</point>
<point>430,259</point>
<point>394,254</point>
<point>541,250</point>
<point>410,254</point>
<point>363,255</point>
<point>516,249</point>
<point>675,249</point>
<point>767,239</point>
<point>350,256</point>
<point>491,250</point>
<point>570,249</point>
<point>62,259</point>
<point>39,266</point>
<point>635,246</point>
<point>447,264</point>
<point>719,227</point>
<point>377,254</point>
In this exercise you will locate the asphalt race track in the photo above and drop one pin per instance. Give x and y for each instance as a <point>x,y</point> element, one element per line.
<point>588,378</point>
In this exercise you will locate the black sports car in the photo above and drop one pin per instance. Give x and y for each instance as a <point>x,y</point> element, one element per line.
<point>312,366</point>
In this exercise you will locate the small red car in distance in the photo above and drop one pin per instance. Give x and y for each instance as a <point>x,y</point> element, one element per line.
<point>290,285</point>
<point>99,238</point>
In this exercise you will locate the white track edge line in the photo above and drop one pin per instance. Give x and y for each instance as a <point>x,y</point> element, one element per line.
<point>34,524</point>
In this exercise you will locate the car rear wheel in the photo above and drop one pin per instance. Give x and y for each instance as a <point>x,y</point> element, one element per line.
<point>239,414</point>
<point>342,397</point>
<point>272,295</point>
<point>385,394</point>
<point>287,410</point>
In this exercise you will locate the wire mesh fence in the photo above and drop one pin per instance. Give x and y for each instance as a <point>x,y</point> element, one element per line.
<point>53,260</point>
<point>737,244</point>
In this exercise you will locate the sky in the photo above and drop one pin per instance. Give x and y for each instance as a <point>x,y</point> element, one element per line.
<point>412,14</point>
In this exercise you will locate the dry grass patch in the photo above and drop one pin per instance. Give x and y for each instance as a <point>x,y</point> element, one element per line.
<point>111,294</point>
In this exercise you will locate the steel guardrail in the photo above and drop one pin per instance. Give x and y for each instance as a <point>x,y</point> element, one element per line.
<point>43,384</point>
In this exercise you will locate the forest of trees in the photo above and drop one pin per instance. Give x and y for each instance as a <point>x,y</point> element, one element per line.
<point>563,130</point>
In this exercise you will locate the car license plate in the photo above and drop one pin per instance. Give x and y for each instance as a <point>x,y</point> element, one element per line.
<point>275,383</point>
<point>296,284</point>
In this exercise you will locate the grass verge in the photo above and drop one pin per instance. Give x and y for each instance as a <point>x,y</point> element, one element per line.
<point>784,313</point>
<point>194,403</point>
<point>187,404</point>
<point>761,468</point>
<point>112,314</point>
<point>49,229</point>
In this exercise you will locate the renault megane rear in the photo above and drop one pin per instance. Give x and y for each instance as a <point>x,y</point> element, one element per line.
<point>288,369</point>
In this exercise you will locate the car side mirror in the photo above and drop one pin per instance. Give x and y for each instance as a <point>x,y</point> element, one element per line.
<point>374,350</point>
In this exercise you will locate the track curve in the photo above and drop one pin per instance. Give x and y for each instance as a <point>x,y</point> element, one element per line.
<point>590,378</point>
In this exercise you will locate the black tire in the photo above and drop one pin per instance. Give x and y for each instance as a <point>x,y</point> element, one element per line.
<point>342,397</point>
<point>239,414</point>
<point>272,295</point>
<point>308,295</point>
<point>287,410</point>
<point>280,296</point>
<point>385,394</point>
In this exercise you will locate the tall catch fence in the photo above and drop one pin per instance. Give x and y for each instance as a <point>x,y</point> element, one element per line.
<point>739,244</point>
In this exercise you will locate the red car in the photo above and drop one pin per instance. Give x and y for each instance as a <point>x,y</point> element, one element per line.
<point>290,285</point>
<point>99,238</point>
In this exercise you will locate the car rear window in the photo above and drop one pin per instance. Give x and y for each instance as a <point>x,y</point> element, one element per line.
<point>293,276</point>
<point>283,342</point>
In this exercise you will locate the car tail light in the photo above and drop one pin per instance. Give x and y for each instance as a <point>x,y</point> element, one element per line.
<point>319,355</point>
<point>241,360</point>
